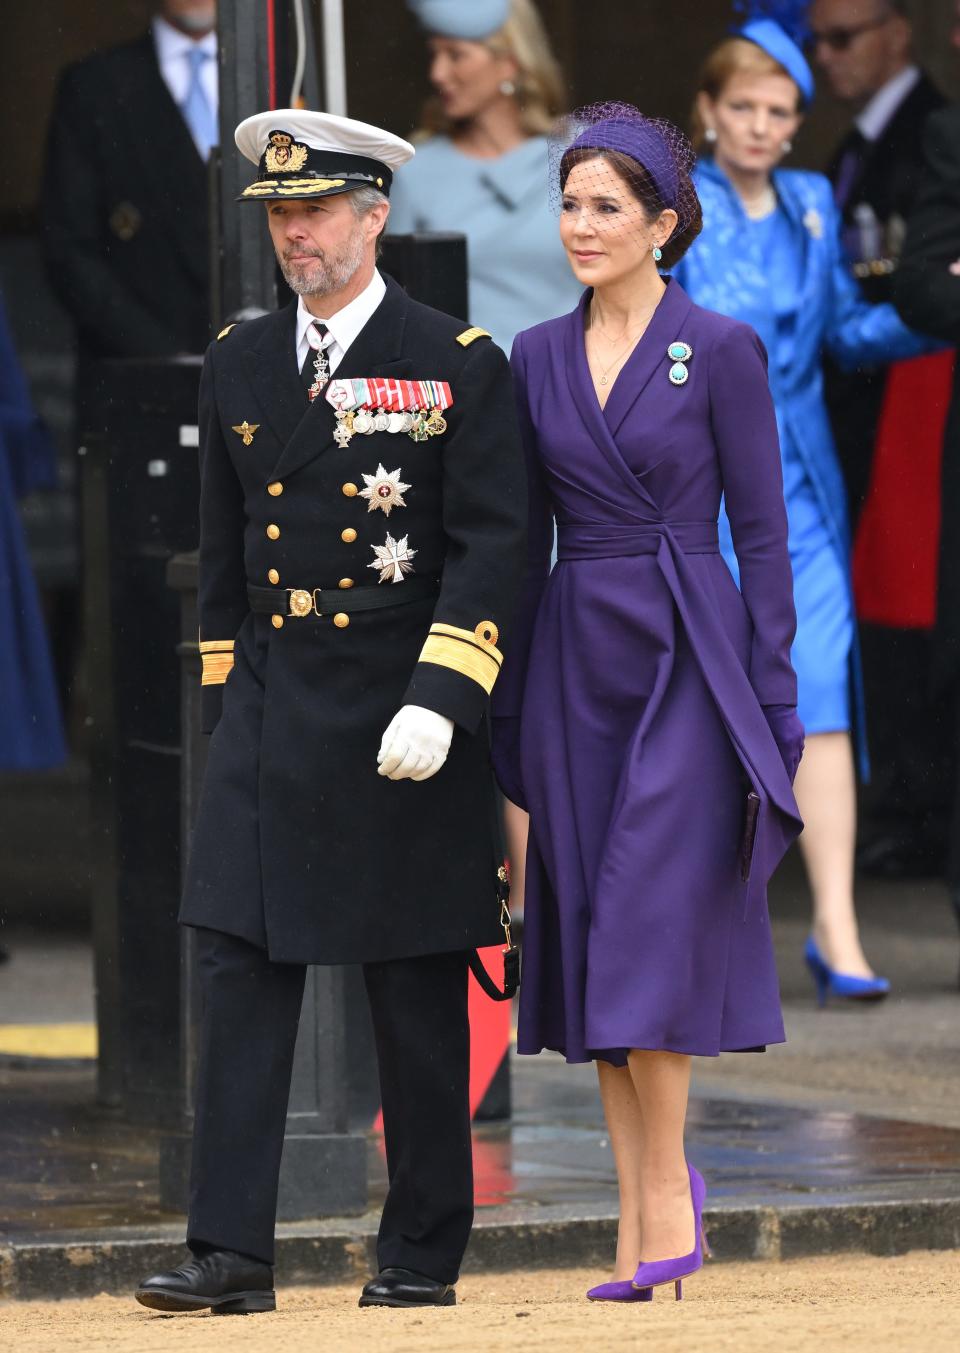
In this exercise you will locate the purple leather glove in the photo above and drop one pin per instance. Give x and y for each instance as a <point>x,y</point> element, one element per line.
<point>788,734</point>
<point>505,751</point>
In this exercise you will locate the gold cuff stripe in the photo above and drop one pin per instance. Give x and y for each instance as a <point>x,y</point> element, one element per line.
<point>216,668</point>
<point>466,659</point>
<point>217,658</point>
<point>470,637</point>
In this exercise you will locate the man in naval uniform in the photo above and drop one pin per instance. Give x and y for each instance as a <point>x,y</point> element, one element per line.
<point>362,521</point>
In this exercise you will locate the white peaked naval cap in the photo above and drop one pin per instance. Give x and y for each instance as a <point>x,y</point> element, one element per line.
<point>304,154</point>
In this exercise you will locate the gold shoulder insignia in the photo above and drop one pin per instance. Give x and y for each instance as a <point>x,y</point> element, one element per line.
<point>223,332</point>
<point>470,336</point>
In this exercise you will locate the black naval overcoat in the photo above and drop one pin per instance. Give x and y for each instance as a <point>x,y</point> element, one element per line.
<point>300,846</point>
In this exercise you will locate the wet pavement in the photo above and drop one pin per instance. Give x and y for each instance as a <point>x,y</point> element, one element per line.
<point>856,1119</point>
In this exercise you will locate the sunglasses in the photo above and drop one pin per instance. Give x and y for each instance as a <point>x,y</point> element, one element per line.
<point>842,39</point>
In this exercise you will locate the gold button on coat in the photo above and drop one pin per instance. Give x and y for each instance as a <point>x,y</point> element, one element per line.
<point>273,576</point>
<point>345,583</point>
<point>348,536</point>
<point>341,621</point>
<point>350,490</point>
<point>277,622</point>
<point>275,489</point>
<point>273,531</point>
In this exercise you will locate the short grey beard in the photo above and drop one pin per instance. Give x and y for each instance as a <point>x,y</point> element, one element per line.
<point>323,276</point>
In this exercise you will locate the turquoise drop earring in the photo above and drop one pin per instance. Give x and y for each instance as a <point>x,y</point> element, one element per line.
<point>657,253</point>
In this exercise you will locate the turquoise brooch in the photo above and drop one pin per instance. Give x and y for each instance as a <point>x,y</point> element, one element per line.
<point>679,354</point>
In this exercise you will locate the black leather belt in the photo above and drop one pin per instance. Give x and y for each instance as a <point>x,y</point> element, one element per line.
<point>304,604</point>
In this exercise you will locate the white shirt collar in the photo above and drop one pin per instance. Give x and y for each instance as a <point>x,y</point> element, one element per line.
<point>345,325</point>
<point>171,43</point>
<point>872,120</point>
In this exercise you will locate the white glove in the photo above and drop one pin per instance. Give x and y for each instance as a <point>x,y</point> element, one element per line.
<point>415,745</point>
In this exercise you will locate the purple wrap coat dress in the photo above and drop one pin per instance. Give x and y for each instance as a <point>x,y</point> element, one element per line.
<point>628,716</point>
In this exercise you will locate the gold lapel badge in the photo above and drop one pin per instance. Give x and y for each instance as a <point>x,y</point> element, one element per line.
<point>246,431</point>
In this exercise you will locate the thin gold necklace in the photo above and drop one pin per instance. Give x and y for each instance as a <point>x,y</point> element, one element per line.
<point>633,340</point>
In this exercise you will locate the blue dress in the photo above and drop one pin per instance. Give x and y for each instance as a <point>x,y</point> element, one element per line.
<point>31,736</point>
<point>787,277</point>
<point>518,271</point>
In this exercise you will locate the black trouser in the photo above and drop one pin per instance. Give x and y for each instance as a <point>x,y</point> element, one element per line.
<point>251,1008</point>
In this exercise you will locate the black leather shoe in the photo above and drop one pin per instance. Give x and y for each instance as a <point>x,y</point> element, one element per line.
<point>400,1287</point>
<point>221,1280</point>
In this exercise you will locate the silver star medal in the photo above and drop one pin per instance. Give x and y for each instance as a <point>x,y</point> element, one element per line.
<point>393,559</point>
<point>384,490</point>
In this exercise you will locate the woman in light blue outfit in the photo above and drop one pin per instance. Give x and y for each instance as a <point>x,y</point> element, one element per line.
<point>770,255</point>
<point>484,170</point>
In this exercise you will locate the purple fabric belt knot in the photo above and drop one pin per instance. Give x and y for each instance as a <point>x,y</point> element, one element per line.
<point>608,540</point>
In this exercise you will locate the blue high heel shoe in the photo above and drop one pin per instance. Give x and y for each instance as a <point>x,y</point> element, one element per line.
<point>847,987</point>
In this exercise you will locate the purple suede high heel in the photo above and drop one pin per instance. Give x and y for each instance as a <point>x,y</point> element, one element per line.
<point>674,1270</point>
<point>622,1291</point>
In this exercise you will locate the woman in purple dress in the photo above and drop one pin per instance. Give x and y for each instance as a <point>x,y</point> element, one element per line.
<point>646,712</point>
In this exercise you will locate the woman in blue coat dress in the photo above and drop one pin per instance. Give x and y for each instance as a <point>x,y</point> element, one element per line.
<point>770,255</point>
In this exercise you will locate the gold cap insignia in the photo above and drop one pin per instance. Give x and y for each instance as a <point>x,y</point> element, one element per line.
<point>284,155</point>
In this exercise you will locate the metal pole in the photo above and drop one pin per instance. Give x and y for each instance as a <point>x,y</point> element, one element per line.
<point>334,58</point>
<point>248,266</point>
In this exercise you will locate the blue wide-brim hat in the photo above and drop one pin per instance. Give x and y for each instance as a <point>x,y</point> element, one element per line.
<point>469,19</point>
<point>776,42</point>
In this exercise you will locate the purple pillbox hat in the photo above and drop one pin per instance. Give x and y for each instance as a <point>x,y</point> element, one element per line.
<point>639,139</point>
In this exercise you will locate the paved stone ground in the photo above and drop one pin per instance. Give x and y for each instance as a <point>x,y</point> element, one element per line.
<point>860,1305</point>
<point>859,1109</point>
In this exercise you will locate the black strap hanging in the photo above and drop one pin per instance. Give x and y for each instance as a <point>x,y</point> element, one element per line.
<point>511,951</point>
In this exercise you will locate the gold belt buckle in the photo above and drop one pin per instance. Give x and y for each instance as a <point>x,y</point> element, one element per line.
<point>300,601</point>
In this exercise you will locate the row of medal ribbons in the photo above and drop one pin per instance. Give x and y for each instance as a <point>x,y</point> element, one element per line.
<point>375,404</point>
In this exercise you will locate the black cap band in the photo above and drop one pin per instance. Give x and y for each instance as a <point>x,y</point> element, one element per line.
<point>289,169</point>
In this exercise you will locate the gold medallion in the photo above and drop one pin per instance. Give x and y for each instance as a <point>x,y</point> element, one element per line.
<point>436,423</point>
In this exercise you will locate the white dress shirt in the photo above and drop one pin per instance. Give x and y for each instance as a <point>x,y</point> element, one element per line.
<point>173,49</point>
<point>344,326</point>
<point>872,120</point>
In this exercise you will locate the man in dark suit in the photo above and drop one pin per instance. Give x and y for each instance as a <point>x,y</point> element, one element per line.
<point>362,520</point>
<point>927,294</point>
<point>865,50</point>
<point>124,197</point>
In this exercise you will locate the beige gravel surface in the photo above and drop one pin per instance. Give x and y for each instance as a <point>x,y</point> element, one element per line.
<point>843,1304</point>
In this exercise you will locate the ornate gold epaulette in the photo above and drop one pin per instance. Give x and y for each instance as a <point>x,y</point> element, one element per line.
<point>470,336</point>
<point>223,332</point>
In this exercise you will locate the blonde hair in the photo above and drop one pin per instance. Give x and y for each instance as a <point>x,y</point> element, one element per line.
<point>734,56</point>
<point>540,87</point>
